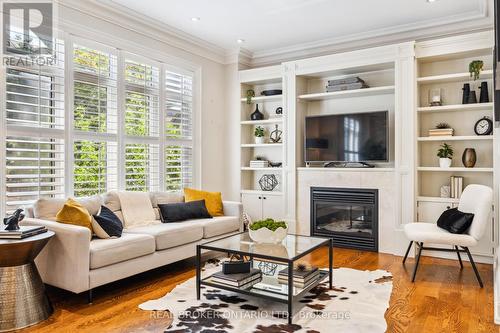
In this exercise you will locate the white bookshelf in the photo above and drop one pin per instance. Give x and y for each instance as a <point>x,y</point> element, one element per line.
<point>455,138</point>
<point>260,99</point>
<point>348,93</point>
<point>454,169</point>
<point>457,107</point>
<point>453,77</point>
<point>277,120</point>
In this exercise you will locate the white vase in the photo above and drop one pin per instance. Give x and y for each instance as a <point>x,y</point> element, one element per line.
<point>444,162</point>
<point>259,140</point>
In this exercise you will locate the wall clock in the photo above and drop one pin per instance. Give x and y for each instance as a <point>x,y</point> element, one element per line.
<point>483,126</point>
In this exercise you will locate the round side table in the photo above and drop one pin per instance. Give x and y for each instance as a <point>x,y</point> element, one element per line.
<point>23,301</point>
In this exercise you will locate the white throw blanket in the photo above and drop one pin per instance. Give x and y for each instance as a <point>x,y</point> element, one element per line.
<point>137,209</point>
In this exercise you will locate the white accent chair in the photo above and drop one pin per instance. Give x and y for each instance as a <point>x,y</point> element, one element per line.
<point>476,199</point>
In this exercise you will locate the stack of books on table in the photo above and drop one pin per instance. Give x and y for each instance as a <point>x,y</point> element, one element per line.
<point>259,164</point>
<point>23,232</point>
<point>301,278</point>
<point>238,280</point>
<point>441,132</point>
<point>350,83</point>
<point>456,186</point>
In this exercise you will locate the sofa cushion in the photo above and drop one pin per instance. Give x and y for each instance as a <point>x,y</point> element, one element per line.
<point>73,212</point>
<point>158,198</point>
<point>183,211</point>
<point>217,226</point>
<point>213,200</point>
<point>169,235</point>
<point>47,209</point>
<point>104,252</point>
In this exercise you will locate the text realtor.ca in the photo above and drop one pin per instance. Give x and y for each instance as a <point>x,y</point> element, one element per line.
<point>28,33</point>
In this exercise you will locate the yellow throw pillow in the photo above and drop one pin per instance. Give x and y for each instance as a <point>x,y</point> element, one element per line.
<point>213,200</point>
<point>74,213</point>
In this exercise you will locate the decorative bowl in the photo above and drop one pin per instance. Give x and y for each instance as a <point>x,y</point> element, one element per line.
<point>266,236</point>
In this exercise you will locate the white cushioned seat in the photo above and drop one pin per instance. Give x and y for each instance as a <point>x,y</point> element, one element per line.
<point>168,235</point>
<point>104,252</point>
<point>217,226</point>
<point>431,233</point>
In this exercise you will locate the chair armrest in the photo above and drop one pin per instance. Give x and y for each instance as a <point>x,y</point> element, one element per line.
<point>234,208</point>
<point>65,260</point>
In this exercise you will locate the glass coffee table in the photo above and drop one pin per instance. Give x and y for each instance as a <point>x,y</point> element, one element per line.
<point>270,258</point>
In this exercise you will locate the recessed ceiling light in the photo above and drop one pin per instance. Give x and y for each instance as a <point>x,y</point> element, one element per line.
<point>431,1</point>
<point>240,41</point>
<point>195,19</point>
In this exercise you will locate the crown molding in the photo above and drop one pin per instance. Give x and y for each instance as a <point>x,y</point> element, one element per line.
<point>480,19</point>
<point>128,19</point>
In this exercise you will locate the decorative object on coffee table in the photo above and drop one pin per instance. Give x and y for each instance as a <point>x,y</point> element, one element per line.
<point>275,135</point>
<point>23,300</point>
<point>259,135</point>
<point>268,231</point>
<point>257,115</point>
<point>445,153</point>
<point>483,126</point>
<point>268,182</point>
<point>469,157</point>
<point>279,110</point>
<point>484,97</point>
<point>267,268</point>
<point>465,93</point>
<point>12,222</point>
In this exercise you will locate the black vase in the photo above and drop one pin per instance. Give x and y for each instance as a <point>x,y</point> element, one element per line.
<point>472,97</point>
<point>483,97</point>
<point>257,115</point>
<point>466,92</point>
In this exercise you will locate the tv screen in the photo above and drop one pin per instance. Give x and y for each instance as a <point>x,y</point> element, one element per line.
<point>354,137</point>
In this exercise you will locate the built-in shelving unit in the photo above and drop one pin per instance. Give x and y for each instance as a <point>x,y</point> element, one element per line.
<point>258,203</point>
<point>446,69</point>
<point>348,93</point>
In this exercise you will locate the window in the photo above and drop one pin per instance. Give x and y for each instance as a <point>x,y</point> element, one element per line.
<point>95,120</point>
<point>178,130</point>
<point>34,123</point>
<point>130,126</point>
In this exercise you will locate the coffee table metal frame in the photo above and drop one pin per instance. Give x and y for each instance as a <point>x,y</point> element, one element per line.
<point>269,294</point>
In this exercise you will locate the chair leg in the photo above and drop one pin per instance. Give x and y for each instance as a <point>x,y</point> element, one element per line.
<point>459,258</point>
<point>407,251</point>
<point>420,246</point>
<point>474,267</point>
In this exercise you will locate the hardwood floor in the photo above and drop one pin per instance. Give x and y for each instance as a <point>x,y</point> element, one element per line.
<point>443,299</point>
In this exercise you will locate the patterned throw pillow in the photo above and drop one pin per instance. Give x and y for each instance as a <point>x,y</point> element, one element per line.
<point>106,224</point>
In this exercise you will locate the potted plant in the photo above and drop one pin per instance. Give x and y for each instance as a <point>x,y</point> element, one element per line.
<point>268,231</point>
<point>445,153</point>
<point>475,68</point>
<point>259,134</point>
<point>250,94</point>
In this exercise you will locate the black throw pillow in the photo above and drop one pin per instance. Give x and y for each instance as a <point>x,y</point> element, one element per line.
<point>176,212</point>
<point>106,224</point>
<point>455,221</point>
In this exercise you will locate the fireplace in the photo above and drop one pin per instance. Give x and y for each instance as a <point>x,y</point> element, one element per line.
<point>349,216</point>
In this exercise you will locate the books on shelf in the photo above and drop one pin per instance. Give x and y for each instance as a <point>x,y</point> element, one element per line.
<point>441,132</point>
<point>301,278</point>
<point>259,164</point>
<point>349,83</point>
<point>23,232</point>
<point>239,280</point>
<point>456,186</point>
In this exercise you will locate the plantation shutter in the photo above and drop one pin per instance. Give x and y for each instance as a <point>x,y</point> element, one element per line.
<point>178,130</point>
<point>142,167</point>
<point>34,123</point>
<point>95,120</point>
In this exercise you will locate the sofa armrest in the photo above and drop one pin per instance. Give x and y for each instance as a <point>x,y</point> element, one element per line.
<point>65,260</point>
<point>234,208</point>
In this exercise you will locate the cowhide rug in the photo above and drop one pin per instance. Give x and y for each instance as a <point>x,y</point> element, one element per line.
<point>357,303</point>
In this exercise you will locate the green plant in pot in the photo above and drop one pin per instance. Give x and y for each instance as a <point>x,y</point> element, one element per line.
<point>268,231</point>
<point>445,153</point>
<point>475,68</point>
<point>259,134</point>
<point>250,94</point>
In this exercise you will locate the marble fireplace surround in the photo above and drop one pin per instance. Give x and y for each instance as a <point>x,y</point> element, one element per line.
<point>385,181</point>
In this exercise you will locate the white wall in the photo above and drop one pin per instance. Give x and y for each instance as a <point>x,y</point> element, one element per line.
<point>211,160</point>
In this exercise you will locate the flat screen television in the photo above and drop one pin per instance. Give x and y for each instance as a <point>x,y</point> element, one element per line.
<point>353,137</point>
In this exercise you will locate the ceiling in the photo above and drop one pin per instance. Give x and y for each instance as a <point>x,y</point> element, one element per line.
<point>277,24</point>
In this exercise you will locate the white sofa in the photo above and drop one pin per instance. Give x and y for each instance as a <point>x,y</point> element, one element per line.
<point>75,261</point>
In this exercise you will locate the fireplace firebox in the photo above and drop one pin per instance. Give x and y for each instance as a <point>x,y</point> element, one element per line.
<point>349,216</point>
